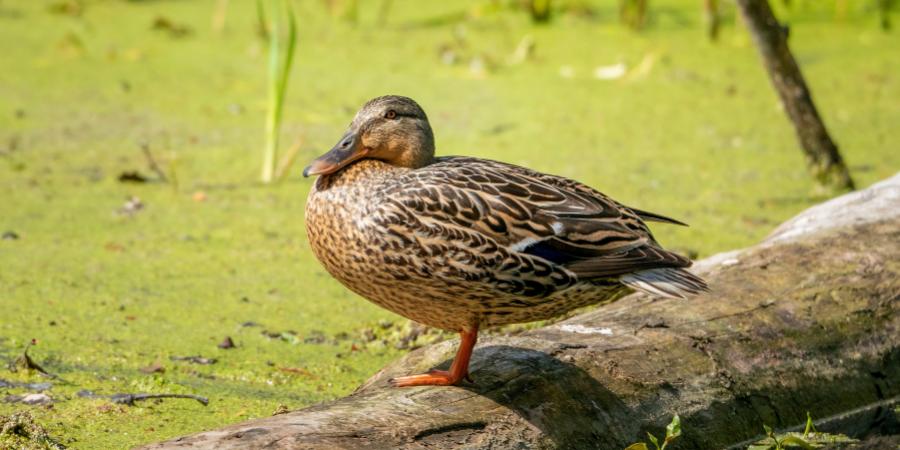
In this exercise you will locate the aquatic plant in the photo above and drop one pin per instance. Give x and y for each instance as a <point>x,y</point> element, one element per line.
<point>281,56</point>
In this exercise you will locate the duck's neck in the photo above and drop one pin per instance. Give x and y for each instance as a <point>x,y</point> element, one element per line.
<point>412,151</point>
<point>359,172</point>
<point>414,160</point>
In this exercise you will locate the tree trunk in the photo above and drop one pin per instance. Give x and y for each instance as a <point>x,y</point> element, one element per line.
<point>633,13</point>
<point>712,18</point>
<point>806,321</point>
<point>540,10</point>
<point>822,154</point>
<point>884,13</point>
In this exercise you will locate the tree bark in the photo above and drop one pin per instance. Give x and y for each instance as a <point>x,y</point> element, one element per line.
<point>806,321</point>
<point>712,18</point>
<point>884,13</point>
<point>540,10</point>
<point>633,13</point>
<point>822,155</point>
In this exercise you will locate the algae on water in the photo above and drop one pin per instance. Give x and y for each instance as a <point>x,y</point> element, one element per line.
<point>19,431</point>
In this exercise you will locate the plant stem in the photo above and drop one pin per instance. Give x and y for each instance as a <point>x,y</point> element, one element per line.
<point>279,74</point>
<point>273,116</point>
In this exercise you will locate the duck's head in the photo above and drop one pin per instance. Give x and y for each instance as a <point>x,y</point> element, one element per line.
<point>392,129</point>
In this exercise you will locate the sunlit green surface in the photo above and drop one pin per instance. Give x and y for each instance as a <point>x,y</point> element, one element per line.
<point>693,130</point>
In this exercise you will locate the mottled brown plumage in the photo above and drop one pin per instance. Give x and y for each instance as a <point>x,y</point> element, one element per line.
<point>460,243</point>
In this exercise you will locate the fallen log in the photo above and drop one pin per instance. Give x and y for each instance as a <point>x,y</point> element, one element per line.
<point>805,321</point>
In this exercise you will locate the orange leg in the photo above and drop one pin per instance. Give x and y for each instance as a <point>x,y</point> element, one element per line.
<point>458,370</point>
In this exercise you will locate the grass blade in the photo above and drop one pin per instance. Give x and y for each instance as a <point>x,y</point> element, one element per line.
<point>262,28</point>
<point>279,74</point>
<point>289,53</point>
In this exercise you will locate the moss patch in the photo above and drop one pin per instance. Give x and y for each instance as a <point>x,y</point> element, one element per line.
<point>18,430</point>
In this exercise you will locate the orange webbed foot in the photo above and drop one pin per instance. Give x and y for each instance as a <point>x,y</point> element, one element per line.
<point>432,378</point>
<point>458,370</point>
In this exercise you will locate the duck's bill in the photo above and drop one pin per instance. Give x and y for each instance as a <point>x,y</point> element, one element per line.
<point>345,152</point>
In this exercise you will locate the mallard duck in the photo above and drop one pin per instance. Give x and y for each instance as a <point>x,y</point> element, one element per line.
<point>462,243</point>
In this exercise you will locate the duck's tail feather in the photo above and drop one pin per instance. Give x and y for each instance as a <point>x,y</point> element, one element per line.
<point>654,217</point>
<point>666,282</point>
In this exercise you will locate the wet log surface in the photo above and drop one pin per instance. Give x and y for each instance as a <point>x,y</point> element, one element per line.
<point>805,321</point>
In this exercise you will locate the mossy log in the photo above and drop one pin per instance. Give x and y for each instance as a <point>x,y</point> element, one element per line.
<point>805,321</point>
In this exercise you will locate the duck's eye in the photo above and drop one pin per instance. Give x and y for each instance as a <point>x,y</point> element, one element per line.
<point>391,114</point>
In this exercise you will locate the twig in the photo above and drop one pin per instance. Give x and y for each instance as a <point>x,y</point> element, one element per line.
<point>130,399</point>
<point>152,163</point>
<point>288,159</point>
<point>25,361</point>
<point>194,359</point>
<point>383,11</point>
<point>220,13</point>
<point>262,27</point>
<point>173,165</point>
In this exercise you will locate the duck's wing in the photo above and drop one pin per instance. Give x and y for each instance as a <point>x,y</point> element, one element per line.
<point>530,214</point>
